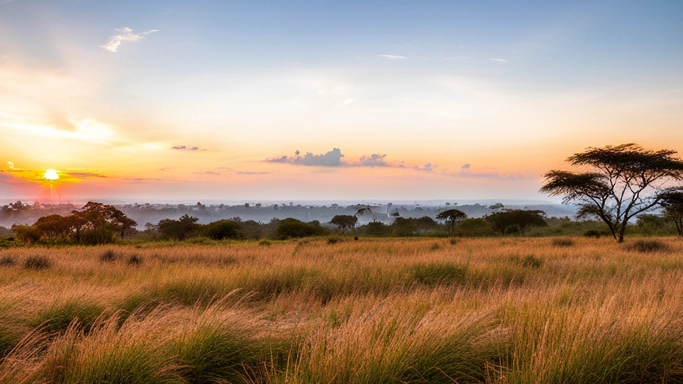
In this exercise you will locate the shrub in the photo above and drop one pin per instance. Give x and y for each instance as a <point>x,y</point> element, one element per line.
<point>37,263</point>
<point>222,229</point>
<point>648,246</point>
<point>563,242</point>
<point>7,261</point>
<point>333,240</point>
<point>265,243</point>
<point>134,260</point>
<point>293,228</point>
<point>108,256</point>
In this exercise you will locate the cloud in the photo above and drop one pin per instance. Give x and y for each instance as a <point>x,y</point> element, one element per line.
<point>427,168</point>
<point>207,173</point>
<point>10,165</point>
<point>374,160</point>
<point>465,167</point>
<point>253,173</point>
<point>184,148</point>
<point>82,175</point>
<point>124,34</point>
<point>392,57</point>
<point>348,101</point>
<point>498,60</point>
<point>329,159</point>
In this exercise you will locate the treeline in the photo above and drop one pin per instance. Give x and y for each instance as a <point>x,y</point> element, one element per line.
<point>98,223</point>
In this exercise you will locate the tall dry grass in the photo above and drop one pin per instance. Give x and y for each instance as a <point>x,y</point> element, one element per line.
<point>369,311</point>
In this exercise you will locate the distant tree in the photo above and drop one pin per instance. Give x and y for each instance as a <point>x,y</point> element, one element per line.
<point>222,229</point>
<point>626,180</point>
<point>496,206</point>
<point>516,220</point>
<point>376,228</point>
<point>672,203</point>
<point>345,222</point>
<point>292,228</point>
<point>452,217</point>
<point>180,229</point>
<point>365,210</point>
<point>98,217</point>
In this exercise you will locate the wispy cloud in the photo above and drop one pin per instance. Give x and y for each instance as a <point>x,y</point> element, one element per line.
<point>498,60</point>
<point>253,173</point>
<point>392,57</point>
<point>465,167</point>
<point>124,34</point>
<point>207,173</point>
<point>184,148</point>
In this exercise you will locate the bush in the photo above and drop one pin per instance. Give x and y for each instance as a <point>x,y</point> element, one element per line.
<point>563,242</point>
<point>222,229</point>
<point>7,261</point>
<point>108,256</point>
<point>333,240</point>
<point>293,228</point>
<point>37,263</point>
<point>134,260</point>
<point>265,243</point>
<point>648,246</point>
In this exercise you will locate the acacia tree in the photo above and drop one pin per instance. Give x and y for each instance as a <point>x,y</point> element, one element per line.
<point>624,181</point>
<point>452,217</point>
<point>672,202</point>
<point>344,222</point>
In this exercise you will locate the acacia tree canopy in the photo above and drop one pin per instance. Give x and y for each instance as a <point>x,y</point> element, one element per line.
<point>672,202</point>
<point>452,216</point>
<point>624,181</point>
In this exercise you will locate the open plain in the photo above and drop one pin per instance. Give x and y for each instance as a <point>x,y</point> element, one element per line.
<point>335,310</point>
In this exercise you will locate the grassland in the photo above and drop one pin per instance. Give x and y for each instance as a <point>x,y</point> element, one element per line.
<point>513,310</point>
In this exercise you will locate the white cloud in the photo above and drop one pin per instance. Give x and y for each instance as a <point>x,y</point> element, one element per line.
<point>392,57</point>
<point>348,101</point>
<point>498,60</point>
<point>124,34</point>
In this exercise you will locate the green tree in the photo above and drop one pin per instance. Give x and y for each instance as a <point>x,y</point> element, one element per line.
<point>672,203</point>
<point>292,228</point>
<point>516,220</point>
<point>222,229</point>
<point>345,222</point>
<point>452,217</point>
<point>186,226</point>
<point>624,181</point>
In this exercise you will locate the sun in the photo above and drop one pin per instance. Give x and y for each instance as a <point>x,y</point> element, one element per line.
<point>51,175</point>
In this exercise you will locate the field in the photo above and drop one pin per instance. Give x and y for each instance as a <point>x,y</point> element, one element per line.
<point>502,310</point>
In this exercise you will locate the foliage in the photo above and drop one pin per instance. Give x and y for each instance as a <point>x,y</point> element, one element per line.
<point>475,227</point>
<point>95,223</point>
<point>672,202</point>
<point>648,246</point>
<point>345,222</point>
<point>222,229</point>
<point>452,217</point>
<point>186,226</point>
<point>516,220</point>
<point>293,228</point>
<point>37,262</point>
<point>617,189</point>
<point>408,226</point>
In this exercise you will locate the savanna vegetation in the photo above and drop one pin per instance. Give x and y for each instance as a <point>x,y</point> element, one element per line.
<point>424,310</point>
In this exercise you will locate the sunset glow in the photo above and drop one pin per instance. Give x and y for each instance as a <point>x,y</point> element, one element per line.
<point>323,101</point>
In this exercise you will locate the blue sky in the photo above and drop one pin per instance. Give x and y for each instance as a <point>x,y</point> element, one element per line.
<point>459,99</point>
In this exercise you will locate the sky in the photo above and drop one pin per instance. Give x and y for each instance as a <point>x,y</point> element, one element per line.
<point>321,100</point>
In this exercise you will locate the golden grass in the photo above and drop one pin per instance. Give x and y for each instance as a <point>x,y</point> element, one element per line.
<point>372,311</point>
